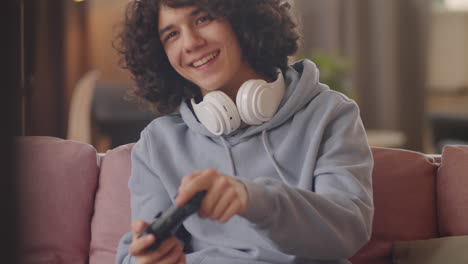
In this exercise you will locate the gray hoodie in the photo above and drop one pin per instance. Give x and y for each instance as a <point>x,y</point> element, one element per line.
<point>307,173</point>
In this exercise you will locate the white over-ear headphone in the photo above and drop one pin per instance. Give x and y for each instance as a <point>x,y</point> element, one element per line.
<point>257,102</point>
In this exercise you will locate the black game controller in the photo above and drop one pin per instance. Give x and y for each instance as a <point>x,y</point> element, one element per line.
<point>167,222</point>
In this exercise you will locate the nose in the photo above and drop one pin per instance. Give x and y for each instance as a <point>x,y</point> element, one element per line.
<point>192,40</point>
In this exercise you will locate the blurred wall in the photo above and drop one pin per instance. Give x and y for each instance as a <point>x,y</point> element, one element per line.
<point>44,68</point>
<point>76,48</point>
<point>104,16</point>
<point>63,40</point>
<point>448,53</point>
<point>322,25</point>
<point>386,42</point>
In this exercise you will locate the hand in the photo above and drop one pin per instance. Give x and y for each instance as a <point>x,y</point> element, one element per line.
<point>169,252</point>
<point>226,196</point>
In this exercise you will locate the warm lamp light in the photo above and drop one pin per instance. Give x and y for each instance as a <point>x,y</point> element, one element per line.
<point>457,4</point>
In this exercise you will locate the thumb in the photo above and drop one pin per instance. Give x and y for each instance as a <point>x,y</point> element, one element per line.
<point>138,226</point>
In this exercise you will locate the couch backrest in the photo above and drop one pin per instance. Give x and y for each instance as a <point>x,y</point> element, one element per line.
<point>452,191</point>
<point>60,185</point>
<point>56,181</point>
<point>404,193</point>
<point>416,197</point>
<point>404,184</point>
<point>112,206</point>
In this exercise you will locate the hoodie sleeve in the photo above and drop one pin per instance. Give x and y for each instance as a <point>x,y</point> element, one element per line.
<point>147,193</point>
<point>333,219</point>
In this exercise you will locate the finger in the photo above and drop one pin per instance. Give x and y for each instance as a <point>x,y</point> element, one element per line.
<point>194,183</point>
<point>138,226</point>
<point>185,191</point>
<point>139,245</point>
<point>165,247</point>
<point>218,190</point>
<point>159,254</point>
<point>182,259</point>
<point>172,256</point>
<point>223,203</point>
<point>190,176</point>
<point>233,209</point>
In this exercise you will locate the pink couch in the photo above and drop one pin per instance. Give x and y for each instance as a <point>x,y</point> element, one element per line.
<point>74,204</point>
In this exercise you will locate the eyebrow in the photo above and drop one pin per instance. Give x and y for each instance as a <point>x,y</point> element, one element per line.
<point>192,14</point>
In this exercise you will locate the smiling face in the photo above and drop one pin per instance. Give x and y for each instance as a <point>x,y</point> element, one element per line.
<point>203,49</point>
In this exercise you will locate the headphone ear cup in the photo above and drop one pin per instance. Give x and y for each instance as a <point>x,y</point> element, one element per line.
<point>245,101</point>
<point>227,108</point>
<point>209,116</point>
<point>266,102</point>
<point>218,113</point>
<point>258,100</point>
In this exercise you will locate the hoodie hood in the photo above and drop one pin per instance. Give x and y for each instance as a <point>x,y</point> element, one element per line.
<point>302,85</point>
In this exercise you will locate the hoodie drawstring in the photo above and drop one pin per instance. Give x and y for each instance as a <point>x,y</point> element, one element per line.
<point>229,154</point>
<point>267,147</point>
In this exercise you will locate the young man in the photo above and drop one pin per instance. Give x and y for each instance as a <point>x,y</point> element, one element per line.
<point>284,160</point>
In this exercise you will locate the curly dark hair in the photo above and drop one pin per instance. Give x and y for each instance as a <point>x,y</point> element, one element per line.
<point>265,29</point>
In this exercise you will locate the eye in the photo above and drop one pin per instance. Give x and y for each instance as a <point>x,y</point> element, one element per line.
<point>204,19</point>
<point>170,35</point>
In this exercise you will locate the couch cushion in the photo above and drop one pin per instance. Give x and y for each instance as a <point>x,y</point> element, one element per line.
<point>452,191</point>
<point>112,215</point>
<point>432,251</point>
<point>57,180</point>
<point>404,185</point>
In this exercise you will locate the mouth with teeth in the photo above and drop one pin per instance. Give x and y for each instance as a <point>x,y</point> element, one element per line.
<point>205,60</point>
